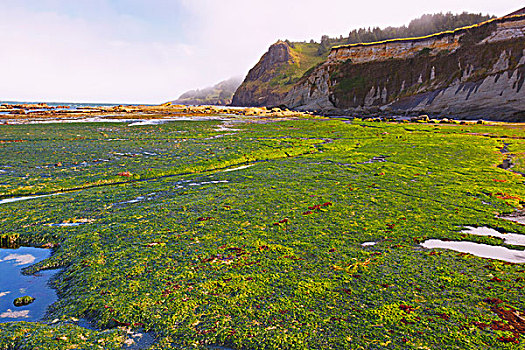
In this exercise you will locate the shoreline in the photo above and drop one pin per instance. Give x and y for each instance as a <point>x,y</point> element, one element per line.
<point>44,113</point>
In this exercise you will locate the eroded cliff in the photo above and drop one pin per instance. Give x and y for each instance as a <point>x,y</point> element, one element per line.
<point>272,78</point>
<point>471,72</point>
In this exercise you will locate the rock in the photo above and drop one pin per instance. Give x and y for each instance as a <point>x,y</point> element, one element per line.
<point>23,301</point>
<point>256,91</point>
<point>252,111</point>
<point>422,119</point>
<point>219,94</point>
<point>49,245</point>
<point>490,86</point>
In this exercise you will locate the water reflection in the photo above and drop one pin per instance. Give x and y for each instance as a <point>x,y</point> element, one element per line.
<point>14,285</point>
<point>477,249</point>
<point>18,199</point>
<point>509,238</point>
<point>518,218</point>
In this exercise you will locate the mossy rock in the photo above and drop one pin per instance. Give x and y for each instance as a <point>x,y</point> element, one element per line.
<point>23,301</point>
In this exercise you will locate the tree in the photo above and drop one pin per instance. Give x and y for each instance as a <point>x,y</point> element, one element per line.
<point>424,25</point>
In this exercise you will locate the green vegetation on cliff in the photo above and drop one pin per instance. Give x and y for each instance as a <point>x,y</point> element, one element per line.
<point>304,57</point>
<point>418,81</point>
<point>276,73</point>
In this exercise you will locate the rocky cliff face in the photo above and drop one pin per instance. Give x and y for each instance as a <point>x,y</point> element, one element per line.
<point>473,72</point>
<point>256,90</point>
<point>398,49</point>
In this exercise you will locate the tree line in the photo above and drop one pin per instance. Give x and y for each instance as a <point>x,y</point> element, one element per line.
<point>424,25</point>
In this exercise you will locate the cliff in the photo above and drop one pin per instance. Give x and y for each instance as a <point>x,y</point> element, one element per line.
<point>270,80</point>
<point>472,72</point>
<point>220,94</point>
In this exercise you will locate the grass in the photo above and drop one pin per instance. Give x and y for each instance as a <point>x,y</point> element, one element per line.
<point>269,256</point>
<point>349,84</point>
<point>305,57</point>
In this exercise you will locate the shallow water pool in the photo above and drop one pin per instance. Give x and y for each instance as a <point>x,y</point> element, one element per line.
<point>478,249</point>
<point>508,238</point>
<point>18,199</point>
<point>14,284</point>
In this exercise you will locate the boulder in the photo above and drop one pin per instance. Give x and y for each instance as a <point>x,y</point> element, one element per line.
<point>23,301</point>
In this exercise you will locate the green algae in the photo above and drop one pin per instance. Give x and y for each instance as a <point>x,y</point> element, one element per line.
<point>253,258</point>
<point>24,335</point>
<point>22,301</point>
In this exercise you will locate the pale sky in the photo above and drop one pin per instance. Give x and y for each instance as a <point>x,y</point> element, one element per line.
<point>151,51</point>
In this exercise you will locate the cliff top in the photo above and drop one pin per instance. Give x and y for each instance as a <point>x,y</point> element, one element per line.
<point>508,18</point>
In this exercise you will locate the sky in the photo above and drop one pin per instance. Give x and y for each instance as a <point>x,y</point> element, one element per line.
<point>151,51</point>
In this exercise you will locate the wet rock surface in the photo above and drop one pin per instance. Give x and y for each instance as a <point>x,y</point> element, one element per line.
<point>240,258</point>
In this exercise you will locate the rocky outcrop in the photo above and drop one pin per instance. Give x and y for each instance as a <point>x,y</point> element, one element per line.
<point>312,93</point>
<point>23,301</point>
<point>472,72</point>
<point>257,89</point>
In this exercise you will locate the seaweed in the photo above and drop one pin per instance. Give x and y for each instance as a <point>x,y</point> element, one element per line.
<point>214,258</point>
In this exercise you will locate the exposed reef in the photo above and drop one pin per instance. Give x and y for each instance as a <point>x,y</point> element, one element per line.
<point>25,113</point>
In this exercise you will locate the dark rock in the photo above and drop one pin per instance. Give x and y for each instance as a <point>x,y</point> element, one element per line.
<point>256,90</point>
<point>23,301</point>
